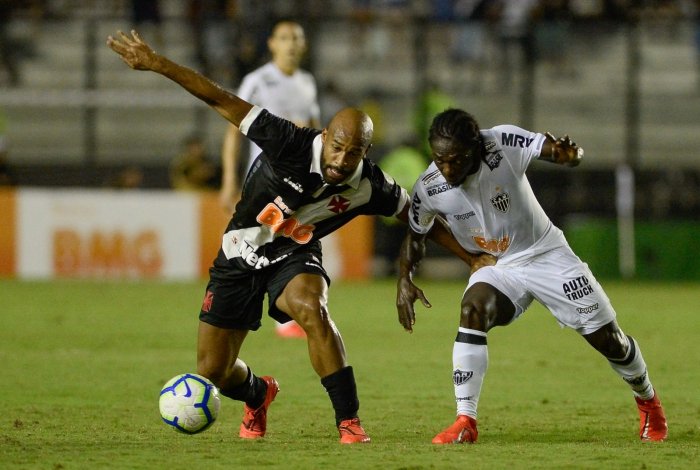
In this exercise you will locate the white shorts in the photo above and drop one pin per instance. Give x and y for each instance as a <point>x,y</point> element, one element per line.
<point>560,281</point>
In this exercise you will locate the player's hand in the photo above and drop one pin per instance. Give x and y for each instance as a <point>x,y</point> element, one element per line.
<point>133,50</point>
<point>564,150</point>
<point>481,260</point>
<point>406,295</point>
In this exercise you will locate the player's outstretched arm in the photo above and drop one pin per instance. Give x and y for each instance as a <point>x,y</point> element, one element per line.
<point>441,234</point>
<point>562,151</point>
<point>412,251</point>
<point>139,56</point>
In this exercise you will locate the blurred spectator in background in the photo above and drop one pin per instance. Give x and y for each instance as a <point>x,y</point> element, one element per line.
<point>469,37</point>
<point>469,42</point>
<point>373,105</point>
<point>12,49</point>
<point>8,59</point>
<point>191,170</point>
<point>552,37</point>
<point>146,17</point>
<point>129,177</point>
<point>380,26</point>
<point>515,37</point>
<point>214,30</point>
<point>695,15</point>
<point>433,101</point>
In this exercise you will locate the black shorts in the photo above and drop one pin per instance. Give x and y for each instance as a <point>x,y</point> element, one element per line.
<point>235,296</point>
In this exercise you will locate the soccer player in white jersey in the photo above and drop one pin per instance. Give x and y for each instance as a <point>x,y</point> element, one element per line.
<point>281,87</point>
<point>477,183</point>
<point>285,90</point>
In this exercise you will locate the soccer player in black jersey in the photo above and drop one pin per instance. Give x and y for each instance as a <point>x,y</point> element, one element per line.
<point>305,184</point>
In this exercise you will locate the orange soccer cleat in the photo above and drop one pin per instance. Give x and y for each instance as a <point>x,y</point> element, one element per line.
<point>254,422</point>
<point>351,432</point>
<point>652,421</point>
<point>463,430</point>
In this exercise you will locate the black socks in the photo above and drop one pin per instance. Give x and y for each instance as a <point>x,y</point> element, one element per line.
<point>342,391</point>
<point>252,391</point>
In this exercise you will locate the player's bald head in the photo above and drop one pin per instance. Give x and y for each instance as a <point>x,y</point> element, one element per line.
<point>352,124</point>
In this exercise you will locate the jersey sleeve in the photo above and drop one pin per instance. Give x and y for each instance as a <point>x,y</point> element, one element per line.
<point>388,198</point>
<point>272,133</point>
<point>521,146</point>
<point>420,215</point>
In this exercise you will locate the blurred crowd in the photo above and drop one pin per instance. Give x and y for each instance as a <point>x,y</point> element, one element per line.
<point>229,39</point>
<point>230,35</point>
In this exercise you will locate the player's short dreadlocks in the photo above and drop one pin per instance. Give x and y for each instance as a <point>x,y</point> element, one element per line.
<point>455,124</point>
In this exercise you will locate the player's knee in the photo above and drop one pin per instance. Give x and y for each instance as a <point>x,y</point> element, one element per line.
<point>476,315</point>
<point>311,314</point>
<point>610,341</point>
<point>614,347</point>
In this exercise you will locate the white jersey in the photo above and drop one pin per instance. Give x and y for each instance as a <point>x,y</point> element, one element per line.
<point>494,210</point>
<point>292,97</point>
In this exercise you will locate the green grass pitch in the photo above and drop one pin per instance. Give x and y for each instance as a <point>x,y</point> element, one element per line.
<point>81,365</point>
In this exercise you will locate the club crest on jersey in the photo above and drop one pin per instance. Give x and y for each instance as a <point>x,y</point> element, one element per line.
<point>501,202</point>
<point>338,204</point>
<point>460,377</point>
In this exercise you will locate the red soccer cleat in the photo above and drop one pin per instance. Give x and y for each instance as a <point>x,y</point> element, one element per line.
<point>652,421</point>
<point>290,329</point>
<point>351,432</point>
<point>463,430</point>
<point>255,420</point>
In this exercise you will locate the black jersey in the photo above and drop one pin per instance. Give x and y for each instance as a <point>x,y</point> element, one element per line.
<point>285,204</point>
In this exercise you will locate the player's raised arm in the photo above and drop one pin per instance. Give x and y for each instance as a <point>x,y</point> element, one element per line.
<point>562,151</point>
<point>139,56</point>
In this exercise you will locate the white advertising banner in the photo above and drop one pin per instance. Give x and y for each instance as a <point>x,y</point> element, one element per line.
<point>107,234</point>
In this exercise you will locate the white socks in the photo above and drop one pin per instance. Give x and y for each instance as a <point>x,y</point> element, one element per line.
<point>469,361</point>
<point>633,370</point>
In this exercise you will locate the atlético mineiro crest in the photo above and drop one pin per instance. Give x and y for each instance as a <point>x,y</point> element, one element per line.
<point>460,377</point>
<point>501,202</point>
<point>338,204</point>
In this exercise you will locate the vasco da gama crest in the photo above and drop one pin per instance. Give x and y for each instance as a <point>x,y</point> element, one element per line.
<point>501,202</point>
